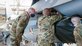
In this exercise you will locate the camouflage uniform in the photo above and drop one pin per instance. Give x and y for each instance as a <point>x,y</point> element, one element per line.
<point>46,28</point>
<point>78,35</point>
<point>17,29</point>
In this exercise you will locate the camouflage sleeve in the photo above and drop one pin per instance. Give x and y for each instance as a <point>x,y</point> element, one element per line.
<point>18,26</point>
<point>55,18</point>
<point>13,33</point>
<point>76,35</point>
<point>22,23</point>
<point>39,21</point>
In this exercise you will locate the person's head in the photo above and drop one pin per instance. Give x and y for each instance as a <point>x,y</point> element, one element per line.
<point>47,11</point>
<point>31,11</point>
<point>75,19</point>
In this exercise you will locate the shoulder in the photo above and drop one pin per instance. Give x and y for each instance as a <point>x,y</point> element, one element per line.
<point>40,18</point>
<point>76,29</point>
<point>55,15</point>
<point>80,25</point>
<point>24,15</point>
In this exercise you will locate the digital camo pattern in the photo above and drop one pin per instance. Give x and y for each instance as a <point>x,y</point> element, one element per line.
<point>17,30</point>
<point>46,28</point>
<point>78,35</point>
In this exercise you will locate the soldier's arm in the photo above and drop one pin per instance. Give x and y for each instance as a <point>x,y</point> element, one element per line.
<point>22,21</point>
<point>55,18</point>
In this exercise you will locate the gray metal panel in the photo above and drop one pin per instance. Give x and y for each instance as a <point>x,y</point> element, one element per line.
<point>70,8</point>
<point>42,4</point>
<point>34,1</point>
